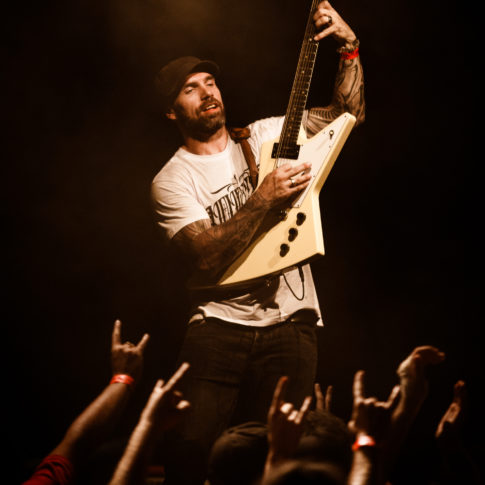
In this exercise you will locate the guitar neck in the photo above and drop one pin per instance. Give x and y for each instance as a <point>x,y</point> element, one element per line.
<point>299,92</point>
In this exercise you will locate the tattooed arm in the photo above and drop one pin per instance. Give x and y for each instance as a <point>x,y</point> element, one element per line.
<point>212,248</point>
<point>348,94</point>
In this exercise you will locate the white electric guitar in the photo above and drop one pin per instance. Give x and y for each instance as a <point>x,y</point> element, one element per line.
<point>294,235</point>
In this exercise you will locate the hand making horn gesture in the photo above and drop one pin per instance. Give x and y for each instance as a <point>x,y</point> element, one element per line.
<point>126,358</point>
<point>371,417</point>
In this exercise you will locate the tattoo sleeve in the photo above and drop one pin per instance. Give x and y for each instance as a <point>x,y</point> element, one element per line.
<point>213,248</point>
<point>348,96</point>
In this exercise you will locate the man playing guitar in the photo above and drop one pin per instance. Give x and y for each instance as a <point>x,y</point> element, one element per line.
<point>239,341</point>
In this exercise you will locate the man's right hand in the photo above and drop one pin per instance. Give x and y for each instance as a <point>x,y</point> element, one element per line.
<point>284,182</point>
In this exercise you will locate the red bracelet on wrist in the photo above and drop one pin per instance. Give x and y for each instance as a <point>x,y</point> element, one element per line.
<point>123,378</point>
<point>362,441</point>
<point>349,55</point>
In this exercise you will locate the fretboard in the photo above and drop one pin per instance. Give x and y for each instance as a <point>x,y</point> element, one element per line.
<point>287,147</point>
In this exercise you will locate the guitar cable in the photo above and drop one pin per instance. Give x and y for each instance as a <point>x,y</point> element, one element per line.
<point>302,278</point>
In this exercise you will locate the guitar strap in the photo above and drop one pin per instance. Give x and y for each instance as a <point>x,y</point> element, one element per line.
<point>241,135</point>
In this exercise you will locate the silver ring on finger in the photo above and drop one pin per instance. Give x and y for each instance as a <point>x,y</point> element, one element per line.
<point>292,182</point>
<point>330,20</point>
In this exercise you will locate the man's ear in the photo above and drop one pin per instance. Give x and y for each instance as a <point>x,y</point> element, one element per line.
<point>170,114</point>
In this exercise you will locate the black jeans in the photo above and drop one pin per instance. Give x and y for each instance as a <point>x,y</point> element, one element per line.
<point>233,374</point>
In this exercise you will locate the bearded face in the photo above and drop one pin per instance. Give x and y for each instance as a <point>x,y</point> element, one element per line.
<point>198,108</point>
<point>207,119</point>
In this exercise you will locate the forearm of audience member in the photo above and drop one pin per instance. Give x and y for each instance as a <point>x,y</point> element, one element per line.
<point>457,463</point>
<point>164,409</point>
<point>365,468</point>
<point>133,465</point>
<point>212,248</point>
<point>94,423</point>
<point>99,418</point>
<point>370,422</point>
<point>414,389</point>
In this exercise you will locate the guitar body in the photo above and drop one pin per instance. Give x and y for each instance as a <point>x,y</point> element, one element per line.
<point>296,238</point>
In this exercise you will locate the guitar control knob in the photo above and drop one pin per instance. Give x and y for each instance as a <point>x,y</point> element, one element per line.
<point>292,233</point>
<point>284,248</point>
<point>300,218</point>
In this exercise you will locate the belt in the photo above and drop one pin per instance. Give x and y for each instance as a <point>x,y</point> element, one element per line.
<point>304,315</point>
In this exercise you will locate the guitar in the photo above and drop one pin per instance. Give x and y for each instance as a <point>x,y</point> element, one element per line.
<point>293,236</point>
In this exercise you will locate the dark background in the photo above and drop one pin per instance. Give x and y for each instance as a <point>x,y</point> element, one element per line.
<point>84,138</point>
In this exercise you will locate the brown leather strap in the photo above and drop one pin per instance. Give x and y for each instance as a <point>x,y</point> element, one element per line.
<point>241,135</point>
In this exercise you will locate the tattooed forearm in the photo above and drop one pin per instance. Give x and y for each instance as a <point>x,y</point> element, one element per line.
<point>349,88</point>
<point>213,248</point>
<point>348,96</point>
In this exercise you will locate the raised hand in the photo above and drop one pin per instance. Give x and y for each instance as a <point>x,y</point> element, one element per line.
<point>328,19</point>
<point>448,432</point>
<point>166,407</point>
<point>414,389</point>
<point>369,416</point>
<point>163,410</point>
<point>285,423</point>
<point>412,375</point>
<point>323,402</point>
<point>126,358</point>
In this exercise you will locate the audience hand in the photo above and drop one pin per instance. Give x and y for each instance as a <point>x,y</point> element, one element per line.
<point>448,432</point>
<point>323,402</point>
<point>369,416</point>
<point>126,358</point>
<point>411,372</point>
<point>166,407</point>
<point>285,424</point>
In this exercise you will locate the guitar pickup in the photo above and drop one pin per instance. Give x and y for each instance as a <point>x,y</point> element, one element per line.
<point>290,153</point>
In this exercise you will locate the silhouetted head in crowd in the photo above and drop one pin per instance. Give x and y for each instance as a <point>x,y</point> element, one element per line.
<point>297,472</point>
<point>326,438</point>
<point>239,454</point>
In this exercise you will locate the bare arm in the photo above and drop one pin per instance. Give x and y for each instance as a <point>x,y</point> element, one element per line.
<point>213,248</point>
<point>456,462</point>
<point>370,422</point>
<point>348,94</point>
<point>93,424</point>
<point>164,409</point>
<point>414,389</point>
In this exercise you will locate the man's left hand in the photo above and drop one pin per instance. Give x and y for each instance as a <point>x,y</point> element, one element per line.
<point>328,19</point>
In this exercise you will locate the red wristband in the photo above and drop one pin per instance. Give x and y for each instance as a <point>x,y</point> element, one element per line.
<point>123,378</point>
<point>349,55</point>
<point>363,440</point>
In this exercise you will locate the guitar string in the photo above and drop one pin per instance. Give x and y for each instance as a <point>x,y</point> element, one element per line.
<point>305,64</point>
<point>295,90</point>
<point>300,90</point>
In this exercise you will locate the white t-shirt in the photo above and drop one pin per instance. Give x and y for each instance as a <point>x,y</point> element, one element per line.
<point>193,187</point>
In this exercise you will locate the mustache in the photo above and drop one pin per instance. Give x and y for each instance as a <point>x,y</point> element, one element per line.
<point>209,102</point>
